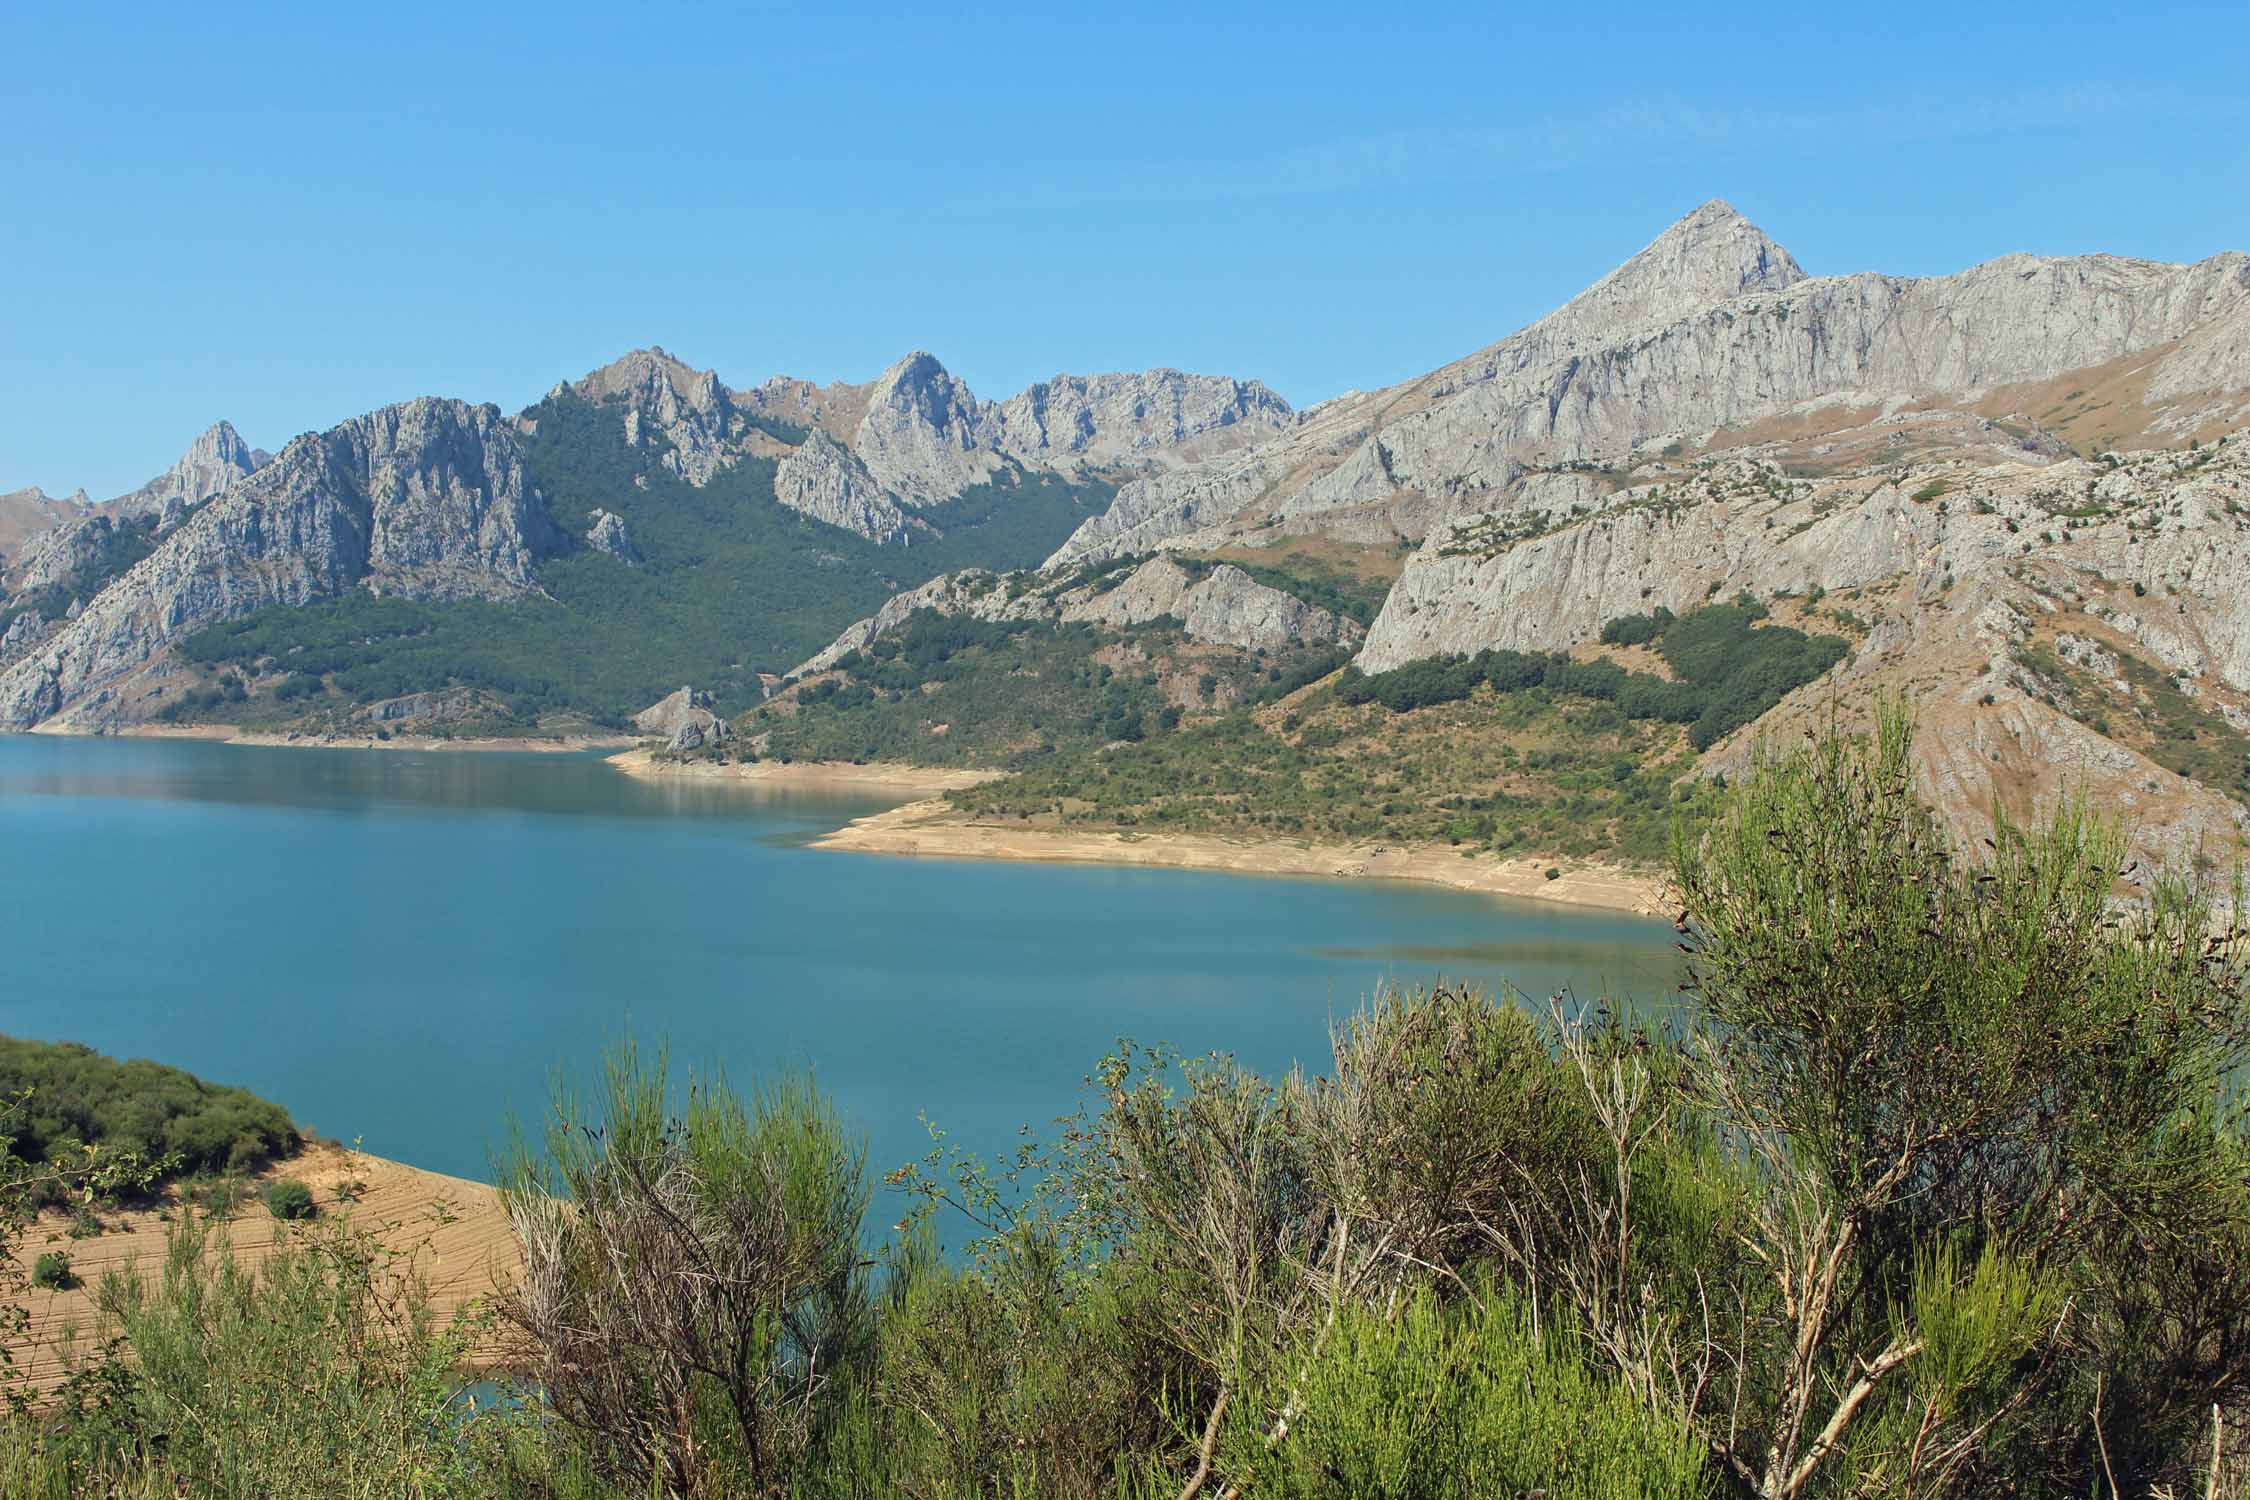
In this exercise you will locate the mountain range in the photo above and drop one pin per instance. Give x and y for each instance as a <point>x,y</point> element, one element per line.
<point>2016,493</point>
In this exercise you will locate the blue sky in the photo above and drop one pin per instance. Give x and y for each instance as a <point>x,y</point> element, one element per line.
<point>288,215</point>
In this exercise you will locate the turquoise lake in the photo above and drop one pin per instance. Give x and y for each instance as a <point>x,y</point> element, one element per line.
<point>404,947</point>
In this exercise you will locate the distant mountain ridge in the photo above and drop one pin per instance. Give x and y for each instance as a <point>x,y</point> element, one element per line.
<point>916,435</point>
<point>1712,325</point>
<point>2021,491</point>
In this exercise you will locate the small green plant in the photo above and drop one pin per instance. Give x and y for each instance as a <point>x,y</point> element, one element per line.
<point>1553,873</point>
<point>220,1197</point>
<point>53,1272</point>
<point>288,1198</point>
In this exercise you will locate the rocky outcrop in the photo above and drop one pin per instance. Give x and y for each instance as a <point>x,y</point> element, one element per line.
<point>57,557</point>
<point>685,720</point>
<point>682,413</point>
<point>1149,415</point>
<point>1224,606</point>
<point>925,437</point>
<point>1231,608</point>
<point>426,500</point>
<point>215,461</point>
<point>822,479</point>
<point>916,435</point>
<point>28,514</point>
<point>610,535</point>
<point>23,633</point>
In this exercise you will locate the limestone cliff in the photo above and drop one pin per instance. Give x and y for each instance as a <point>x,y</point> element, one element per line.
<point>216,460</point>
<point>823,479</point>
<point>427,500</point>
<point>1224,606</point>
<point>864,457</point>
<point>1712,326</point>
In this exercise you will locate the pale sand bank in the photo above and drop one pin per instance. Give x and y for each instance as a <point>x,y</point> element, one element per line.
<point>937,828</point>
<point>920,781</point>
<point>456,1231</point>
<point>226,734</point>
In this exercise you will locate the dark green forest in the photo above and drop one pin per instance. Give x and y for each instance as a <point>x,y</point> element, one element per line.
<point>1727,669</point>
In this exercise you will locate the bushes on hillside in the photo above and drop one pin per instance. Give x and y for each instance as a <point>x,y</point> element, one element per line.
<point>287,1198</point>
<point>76,1094</point>
<point>1729,670</point>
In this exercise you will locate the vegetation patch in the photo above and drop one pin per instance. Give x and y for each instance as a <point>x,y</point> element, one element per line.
<point>952,690</point>
<point>73,1095</point>
<point>1728,671</point>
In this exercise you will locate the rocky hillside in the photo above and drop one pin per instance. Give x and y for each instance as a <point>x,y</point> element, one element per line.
<point>870,458</point>
<point>659,510</point>
<point>1713,328</point>
<point>427,500</point>
<point>2016,492</point>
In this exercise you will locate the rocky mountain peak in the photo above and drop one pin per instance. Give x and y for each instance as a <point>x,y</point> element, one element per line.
<point>923,436</point>
<point>215,461</point>
<point>668,401</point>
<point>645,375</point>
<point>1712,254</point>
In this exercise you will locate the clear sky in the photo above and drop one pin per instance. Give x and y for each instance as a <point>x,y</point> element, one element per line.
<point>286,216</point>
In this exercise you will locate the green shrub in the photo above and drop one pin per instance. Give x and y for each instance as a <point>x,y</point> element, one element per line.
<point>288,1198</point>
<point>52,1271</point>
<point>78,1095</point>
<point>1439,1401</point>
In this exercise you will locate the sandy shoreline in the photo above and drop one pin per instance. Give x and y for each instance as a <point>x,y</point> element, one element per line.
<point>938,829</point>
<point>227,734</point>
<point>893,776</point>
<point>454,1233</point>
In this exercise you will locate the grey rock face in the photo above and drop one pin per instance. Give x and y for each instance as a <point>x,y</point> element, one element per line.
<point>1232,608</point>
<point>925,437</point>
<point>216,460</point>
<point>56,557</point>
<point>917,436</point>
<point>427,500</point>
<point>685,720</point>
<point>28,513</point>
<point>685,411</point>
<point>609,534</point>
<point>1711,326</point>
<point>1135,417</point>
<point>1226,607</point>
<point>823,480</point>
<point>23,632</point>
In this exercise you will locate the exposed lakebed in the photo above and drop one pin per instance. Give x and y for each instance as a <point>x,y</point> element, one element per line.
<point>404,947</point>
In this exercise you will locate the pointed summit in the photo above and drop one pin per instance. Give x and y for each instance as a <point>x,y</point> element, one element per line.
<point>925,437</point>
<point>216,460</point>
<point>1709,256</point>
<point>637,373</point>
<point>666,399</point>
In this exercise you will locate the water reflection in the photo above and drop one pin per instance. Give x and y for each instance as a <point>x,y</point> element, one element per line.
<point>371,781</point>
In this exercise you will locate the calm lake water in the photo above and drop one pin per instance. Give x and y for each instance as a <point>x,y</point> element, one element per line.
<point>404,947</point>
